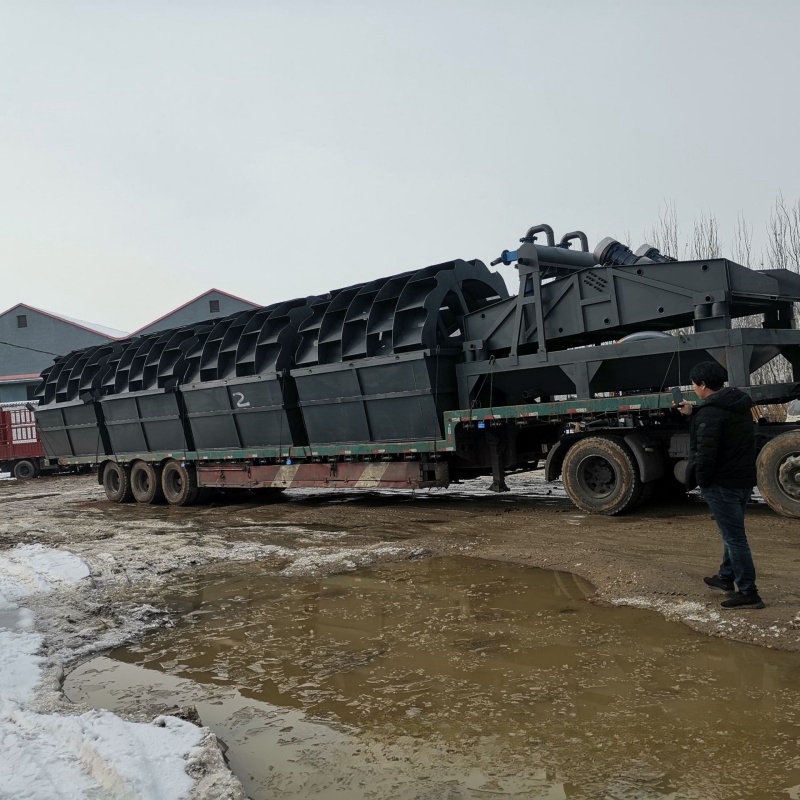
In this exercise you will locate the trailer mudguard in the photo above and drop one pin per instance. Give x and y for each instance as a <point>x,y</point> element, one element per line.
<point>648,458</point>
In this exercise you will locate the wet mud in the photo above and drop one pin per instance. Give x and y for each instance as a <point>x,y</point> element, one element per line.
<point>338,690</point>
<point>458,677</point>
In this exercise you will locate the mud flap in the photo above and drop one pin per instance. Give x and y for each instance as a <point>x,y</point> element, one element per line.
<point>648,458</point>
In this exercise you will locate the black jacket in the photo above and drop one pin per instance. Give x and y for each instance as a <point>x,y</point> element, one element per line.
<point>722,442</point>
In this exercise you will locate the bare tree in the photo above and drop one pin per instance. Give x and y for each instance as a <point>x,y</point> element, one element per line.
<point>782,252</point>
<point>664,235</point>
<point>742,242</point>
<point>783,243</point>
<point>705,240</point>
<point>783,239</point>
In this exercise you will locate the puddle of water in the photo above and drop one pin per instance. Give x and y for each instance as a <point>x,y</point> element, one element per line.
<point>460,678</point>
<point>282,752</point>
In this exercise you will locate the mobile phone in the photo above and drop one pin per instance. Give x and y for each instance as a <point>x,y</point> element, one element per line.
<point>677,395</point>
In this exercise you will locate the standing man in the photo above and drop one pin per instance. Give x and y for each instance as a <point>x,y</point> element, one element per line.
<point>722,462</point>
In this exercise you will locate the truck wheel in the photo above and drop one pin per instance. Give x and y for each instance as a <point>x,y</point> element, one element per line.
<point>25,469</point>
<point>600,476</point>
<point>179,482</point>
<point>146,482</point>
<point>647,492</point>
<point>117,482</point>
<point>779,474</point>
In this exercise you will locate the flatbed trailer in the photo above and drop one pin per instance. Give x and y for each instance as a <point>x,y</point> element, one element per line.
<point>613,454</point>
<point>427,377</point>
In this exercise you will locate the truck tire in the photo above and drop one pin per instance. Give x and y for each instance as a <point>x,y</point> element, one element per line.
<point>25,469</point>
<point>600,476</point>
<point>779,474</point>
<point>648,492</point>
<point>117,482</point>
<point>179,483</point>
<point>146,482</point>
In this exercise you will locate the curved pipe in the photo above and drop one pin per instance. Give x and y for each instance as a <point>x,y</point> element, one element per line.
<point>571,236</point>
<point>546,229</point>
<point>639,336</point>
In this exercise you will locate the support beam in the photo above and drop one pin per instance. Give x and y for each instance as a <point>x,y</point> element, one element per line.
<point>333,475</point>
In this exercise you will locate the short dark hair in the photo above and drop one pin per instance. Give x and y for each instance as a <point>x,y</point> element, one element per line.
<point>710,373</point>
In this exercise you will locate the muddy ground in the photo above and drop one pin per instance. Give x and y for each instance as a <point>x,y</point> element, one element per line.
<point>655,557</point>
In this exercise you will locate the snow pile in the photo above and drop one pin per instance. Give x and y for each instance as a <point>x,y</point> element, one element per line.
<point>683,610</point>
<point>32,568</point>
<point>19,667</point>
<point>69,756</point>
<point>316,563</point>
<point>93,755</point>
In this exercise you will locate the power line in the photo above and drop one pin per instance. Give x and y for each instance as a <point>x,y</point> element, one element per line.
<point>23,347</point>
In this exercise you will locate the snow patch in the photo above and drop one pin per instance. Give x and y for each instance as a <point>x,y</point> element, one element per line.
<point>316,563</point>
<point>685,609</point>
<point>30,568</point>
<point>19,666</point>
<point>56,756</point>
<point>94,754</point>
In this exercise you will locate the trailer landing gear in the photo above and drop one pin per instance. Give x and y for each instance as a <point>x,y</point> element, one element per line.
<point>496,447</point>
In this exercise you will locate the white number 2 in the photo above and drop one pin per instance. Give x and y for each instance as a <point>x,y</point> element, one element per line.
<point>241,403</point>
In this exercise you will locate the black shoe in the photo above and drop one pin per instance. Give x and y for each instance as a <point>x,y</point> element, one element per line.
<point>739,600</point>
<point>718,583</point>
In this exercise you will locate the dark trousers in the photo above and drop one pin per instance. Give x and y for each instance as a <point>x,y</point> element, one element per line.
<point>728,507</point>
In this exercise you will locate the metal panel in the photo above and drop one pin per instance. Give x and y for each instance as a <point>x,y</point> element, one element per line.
<point>70,429</point>
<point>606,302</point>
<point>148,420</point>
<point>346,475</point>
<point>394,398</point>
<point>246,413</point>
<point>633,366</point>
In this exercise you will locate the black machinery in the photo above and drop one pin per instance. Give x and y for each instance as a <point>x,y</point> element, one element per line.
<point>371,362</point>
<point>588,322</point>
<point>383,361</point>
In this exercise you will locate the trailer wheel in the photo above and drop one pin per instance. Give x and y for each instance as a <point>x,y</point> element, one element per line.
<point>117,482</point>
<point>779,474</point>
<point>179,483</point>
<point>600,476</point>
<point>25,469</point>
<point>146,482</point>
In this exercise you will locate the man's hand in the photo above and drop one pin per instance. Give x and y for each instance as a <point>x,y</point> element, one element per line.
<point>686,407</point>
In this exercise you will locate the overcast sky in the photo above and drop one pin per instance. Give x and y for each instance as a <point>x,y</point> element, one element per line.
<point>152,150</point>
